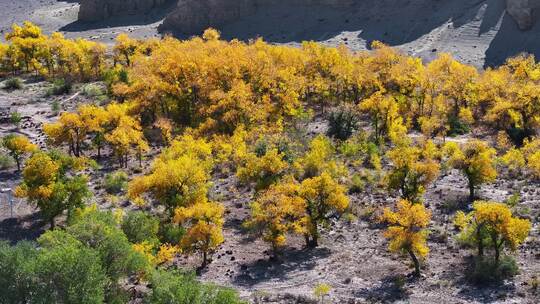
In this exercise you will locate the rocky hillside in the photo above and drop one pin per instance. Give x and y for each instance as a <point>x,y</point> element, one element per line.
<point>192,16</point>
<point>94,10</point>
<point>479,32</point>
<point>522,11</point>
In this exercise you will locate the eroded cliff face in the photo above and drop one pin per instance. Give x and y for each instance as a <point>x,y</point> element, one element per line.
<point>193,16</point>
<point>95,10</point>
<point>522,12</point>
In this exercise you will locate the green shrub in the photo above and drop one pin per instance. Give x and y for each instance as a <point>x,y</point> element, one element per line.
<point>180,288</point>
<point>6,161</point>
<point>140,226</point>
<point>92,90</point>
<point>113,76</point>
<point>55,107</point>
<point>341,124</point>
<point>60,87</point>
<point>485,270</point>
<point>457,127</point>
<point>358,184</point>
<point>115,182</point>
<point>171,233</point>
<point>26,272</point>
<point>15,118</point>
<point>88,263</point>
<point>14,83</point>
<point>261,147</point>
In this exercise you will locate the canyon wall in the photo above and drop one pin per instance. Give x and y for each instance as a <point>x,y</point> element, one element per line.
<point>95,10</point>
<point>522,12</point>
<point>193,16</point>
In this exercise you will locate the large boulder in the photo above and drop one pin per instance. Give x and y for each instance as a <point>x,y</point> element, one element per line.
<point>95,10</point>
<point>522,12</point>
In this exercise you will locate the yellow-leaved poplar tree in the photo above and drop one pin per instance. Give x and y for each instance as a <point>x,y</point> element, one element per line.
<point>476,159</point>
<point>203,223</point>
<point>324,196</point>
<point>407,230</point>
<point>492,224</point>
<point>18,146</point>
<point>278,211</point>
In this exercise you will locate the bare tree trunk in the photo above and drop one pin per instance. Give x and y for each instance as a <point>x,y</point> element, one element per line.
<point>416,263</point>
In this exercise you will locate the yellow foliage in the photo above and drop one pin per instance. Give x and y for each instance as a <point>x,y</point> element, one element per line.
<point>513,160</point>
<point>173,183</point>
<point>18,146</point>
<point>407,229</point>
<point>30,50</point>
<point>211,34</point>
<point>278,211</point>
<point>204,222</point>
<point>476,159</point>
<point>146,249</point>
<point>319,158</point>
<point>492,223</point>
<point>264,170</point>
<point>414,168</point>
<point>322,290</point>
<point>166,253</point>
<point>323,196</point>
<point>531,152</point>
<point>39,174</point>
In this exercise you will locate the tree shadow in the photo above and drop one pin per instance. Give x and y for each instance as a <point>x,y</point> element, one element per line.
<point>29,227</point>
<point>290,261</point>
<point>457,275</point>
<point>390,290</point>
<point>155,15</point>
<point>369,20</point>
<point>510,41</point>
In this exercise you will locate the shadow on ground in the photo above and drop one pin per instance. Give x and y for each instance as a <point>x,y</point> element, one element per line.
<point>153,16</point>
<point>389,290</point>
<point>29,227</point>
<point>265,270</point>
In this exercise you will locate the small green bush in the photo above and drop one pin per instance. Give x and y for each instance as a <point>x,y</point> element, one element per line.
<point>181,288</point>
<point>140,226</point>
<point>485,271</point>
<point>55,107</point>
<point>171,233</point>
<point>457,127</point>
<point>15,118</point>
<point>358,184</point>
<point>92,90</point>
<point>14,83</point>
<point>341,124</point>
<point>261,147</point>
<point>6,161</point>
<point>59,87</point>
<point>115,182</point>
